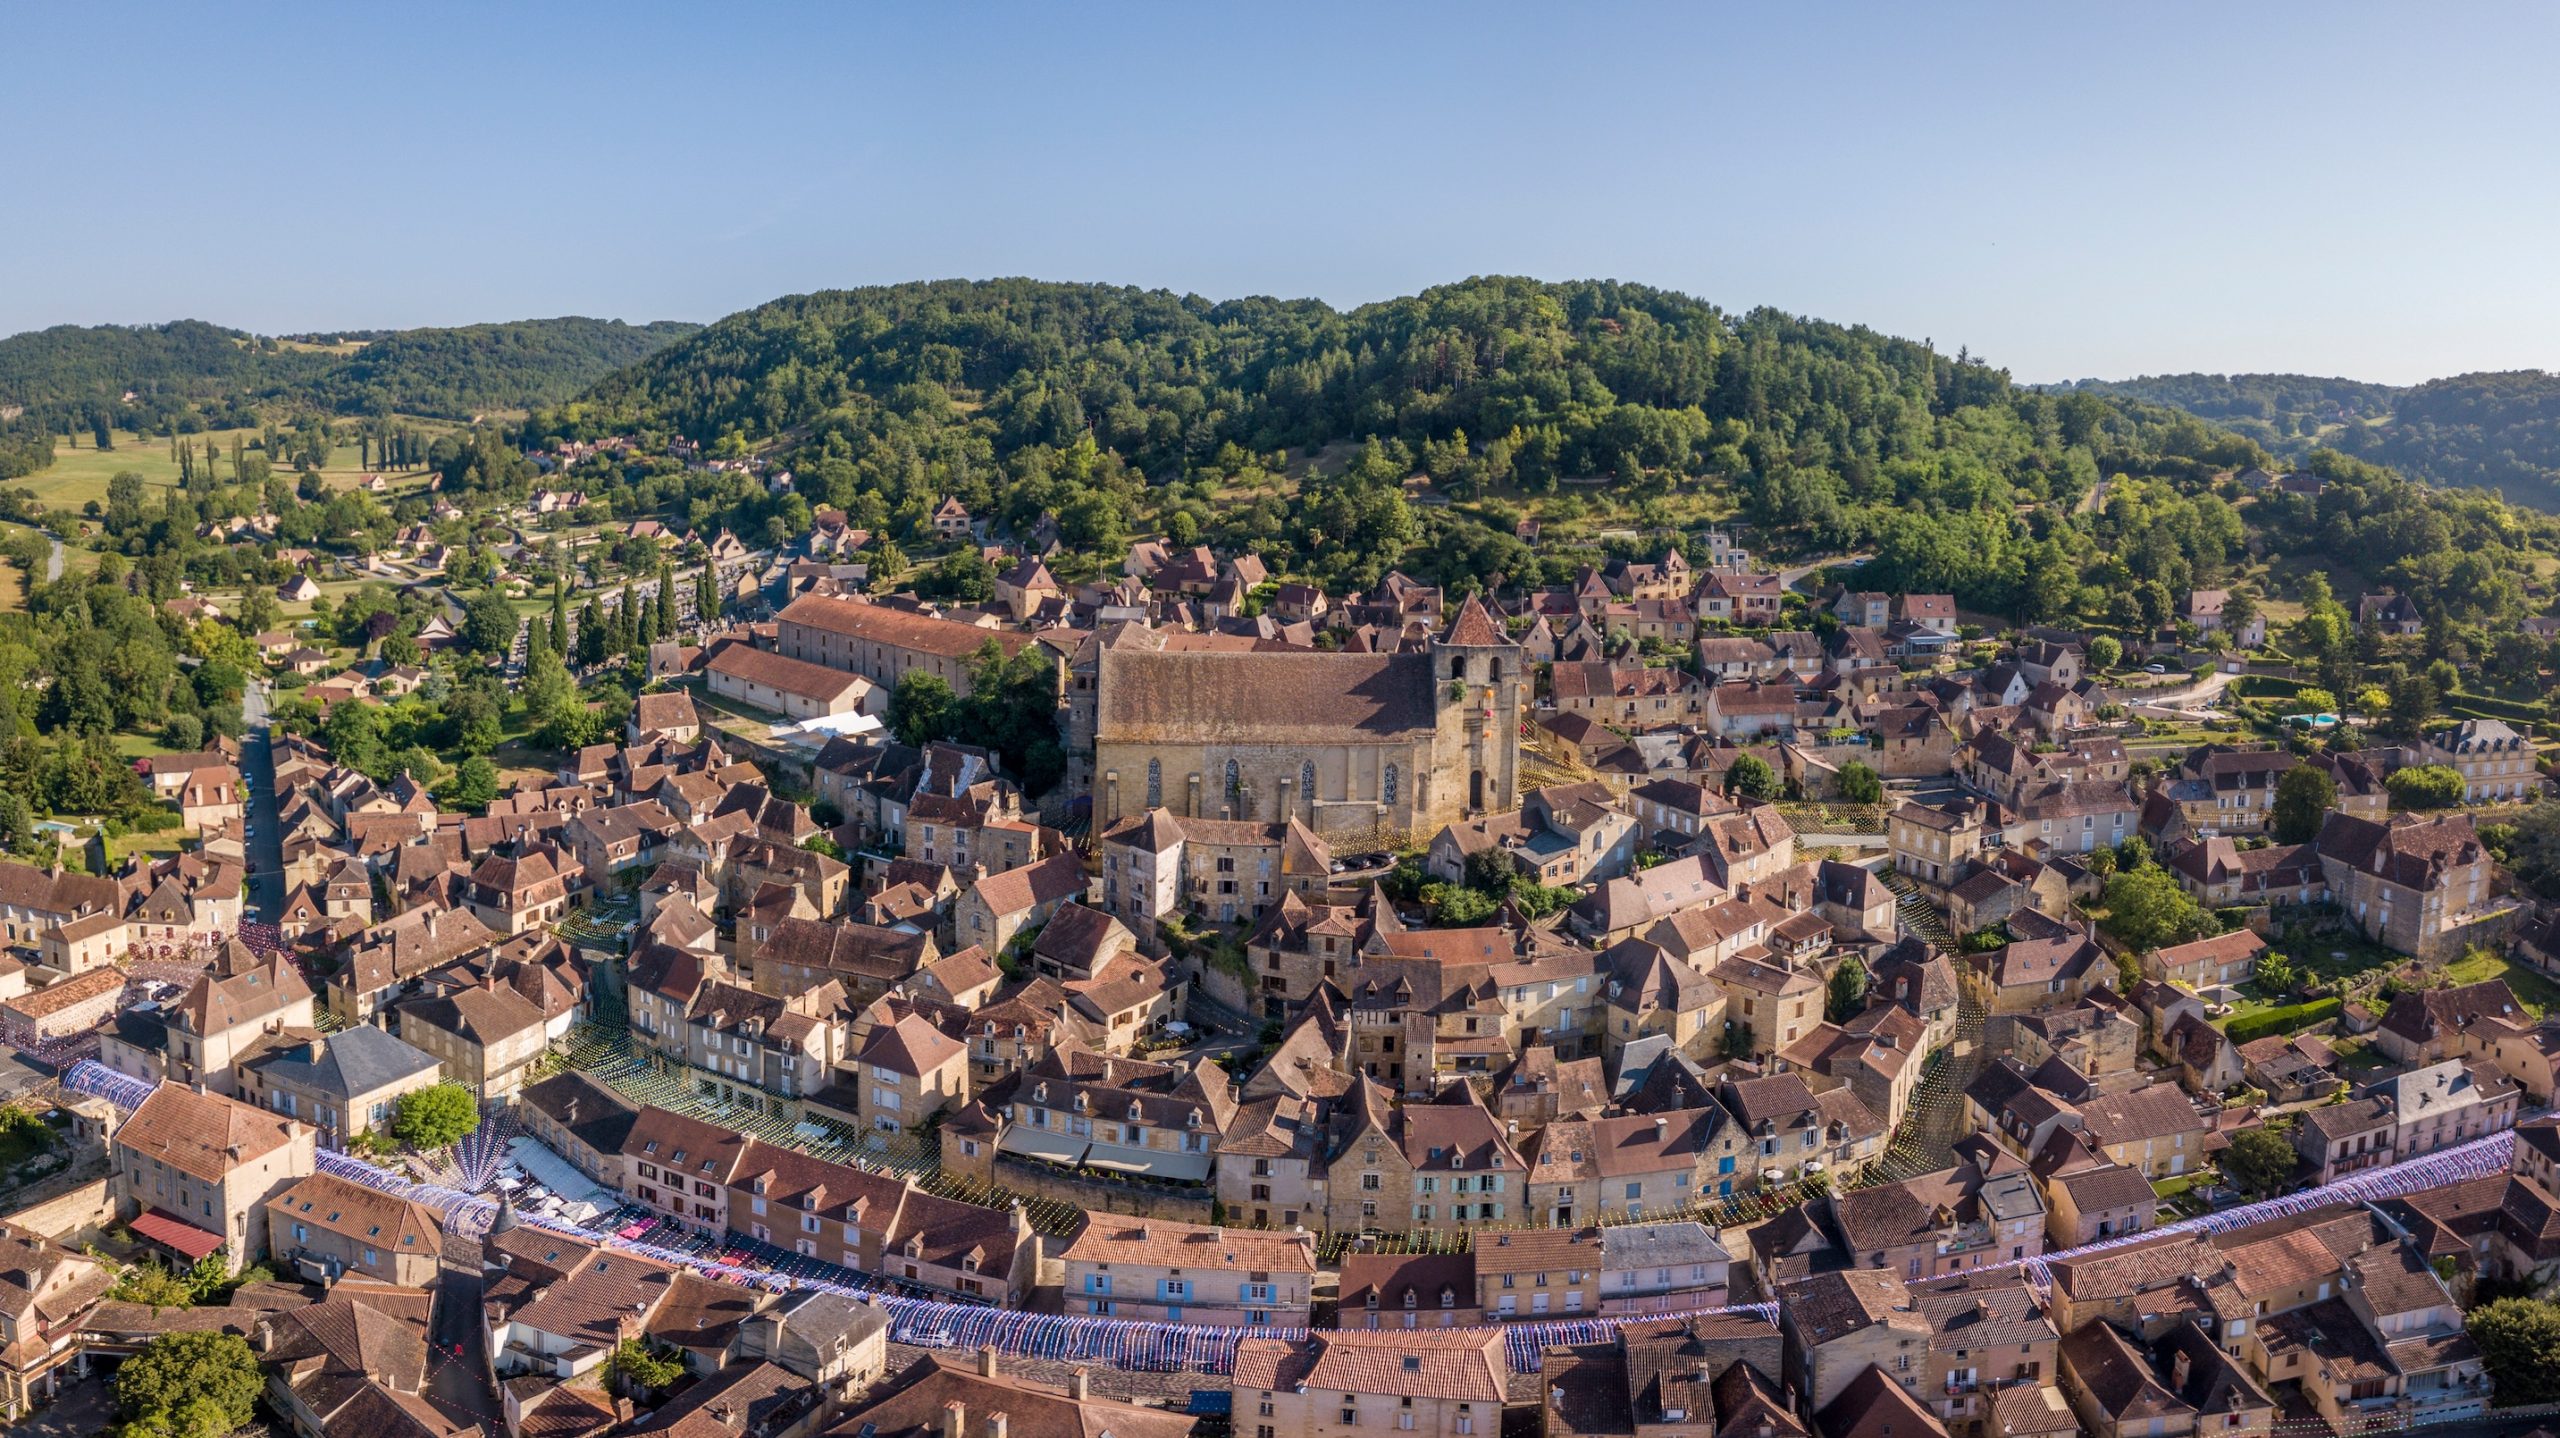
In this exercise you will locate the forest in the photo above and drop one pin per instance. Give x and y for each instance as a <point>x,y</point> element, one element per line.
<point>1098,405</point>
<point>190,376</point>
<point>2496,431</point>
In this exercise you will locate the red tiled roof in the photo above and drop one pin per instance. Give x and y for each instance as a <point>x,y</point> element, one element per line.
<point>175,1233</point>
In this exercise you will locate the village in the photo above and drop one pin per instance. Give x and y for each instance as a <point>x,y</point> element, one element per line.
<point>1696,999</point>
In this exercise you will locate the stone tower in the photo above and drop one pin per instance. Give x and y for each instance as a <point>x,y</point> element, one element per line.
<point>1476,676</point>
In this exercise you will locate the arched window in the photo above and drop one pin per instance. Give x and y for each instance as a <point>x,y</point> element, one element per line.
<point>1235,788</point>
<point>1155,783</point>
<point>1307,780</point>
<point>1387,790</point>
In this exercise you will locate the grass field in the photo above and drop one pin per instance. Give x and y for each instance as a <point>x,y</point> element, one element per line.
<point>80,475</point>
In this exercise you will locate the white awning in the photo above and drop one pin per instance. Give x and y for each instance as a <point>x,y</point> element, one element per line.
<point>1042,1143</point>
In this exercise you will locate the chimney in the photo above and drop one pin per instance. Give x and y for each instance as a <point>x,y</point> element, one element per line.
<point>987,1362</point>
<point>955,1420</point>
<point>2178,1371</point>
<point>995,1424</point>
<point>1080,1384</point>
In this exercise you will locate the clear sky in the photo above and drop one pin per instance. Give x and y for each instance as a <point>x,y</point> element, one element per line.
<point>2068,190</point>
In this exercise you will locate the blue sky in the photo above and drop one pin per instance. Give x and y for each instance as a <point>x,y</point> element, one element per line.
<point>2066,190</point>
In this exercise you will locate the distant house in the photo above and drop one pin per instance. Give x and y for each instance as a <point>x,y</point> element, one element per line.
<point>951,519</point>
<point>2206,610</point>
<point>298,590</point>
<point>2388,612</point>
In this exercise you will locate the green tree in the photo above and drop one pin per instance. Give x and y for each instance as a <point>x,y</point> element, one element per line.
<point>2260,1161</point>
<point>2147,909</point>
<point>150,1282</point>
<point>473,785</point>
<point>2311,699</point>
<point>1751,777</point>
<point>2413,703</point>
<point>1738,1039</point>
<point>489,623</point>
<point>2519,1341</point>
<point>2303,797</point>
<point>1859,784</point>
<point>434,1116</point>
<point>2105,652</point>
<point>637,1364</point>
<point>191,1383</point>
<point>1848,990</point>
<point>2425,786</point>
<point>922,708</point>
<point>17,822</point>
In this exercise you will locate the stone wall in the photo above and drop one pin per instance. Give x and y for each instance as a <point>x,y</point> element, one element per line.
<point>84,1205</point>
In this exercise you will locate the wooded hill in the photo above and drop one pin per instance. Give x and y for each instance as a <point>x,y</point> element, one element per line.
<point>218,374</point>
<point>2498,431</point>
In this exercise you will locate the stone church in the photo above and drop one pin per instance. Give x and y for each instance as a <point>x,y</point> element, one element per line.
<point>1365,749</point>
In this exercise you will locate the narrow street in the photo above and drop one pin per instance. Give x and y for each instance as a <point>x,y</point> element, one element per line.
<point>266,836</point>
<point>458,1382</point>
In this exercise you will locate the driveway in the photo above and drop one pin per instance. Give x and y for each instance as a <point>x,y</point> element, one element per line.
<point>266,836</point>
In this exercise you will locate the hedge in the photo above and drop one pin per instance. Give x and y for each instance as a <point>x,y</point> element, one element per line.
<point>2290,1019</point>
<point>2490,706</point>
<point>2267,686</point>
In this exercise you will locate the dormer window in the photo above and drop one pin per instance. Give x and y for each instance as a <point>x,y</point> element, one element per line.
<point>1134,1111</point>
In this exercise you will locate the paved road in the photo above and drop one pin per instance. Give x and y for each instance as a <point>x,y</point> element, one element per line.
<point>266,835</point>
<point>53,561</point>
<point>459,1384</point>
<point>86,1406</point>
<point>1795,574</point>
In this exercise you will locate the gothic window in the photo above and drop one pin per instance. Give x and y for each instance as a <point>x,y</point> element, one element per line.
<point>1155,783</point>
<point>1387,791</point>
<point>1235,789</point>
<point>1307,780</point>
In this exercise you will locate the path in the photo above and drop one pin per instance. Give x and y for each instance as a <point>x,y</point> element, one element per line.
<point>53,561</point>
<point>1794,574</point>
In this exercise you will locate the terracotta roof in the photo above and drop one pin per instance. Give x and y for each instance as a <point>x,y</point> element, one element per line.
<point>1462,1365</point>
<point>2115,1376</point>
<point>782,673</point>
<point>367,1215</point>
<point>203,1135</point>
<point>911,1046</point>
<point>879,624</point>
<point>1112,1238</point>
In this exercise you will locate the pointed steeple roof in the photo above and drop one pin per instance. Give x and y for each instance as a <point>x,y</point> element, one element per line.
<point>1475,627</point>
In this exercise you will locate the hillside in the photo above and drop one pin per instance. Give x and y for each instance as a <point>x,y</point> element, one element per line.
<point>189,367</point>
<point>459,373</point>
<point>1420,433</point>
<point>1498,389</point>
<point>2498,431</point>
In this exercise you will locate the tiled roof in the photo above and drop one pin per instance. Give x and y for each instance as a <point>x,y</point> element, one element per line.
<point>203,1135</point>
<point>1465,1366</point>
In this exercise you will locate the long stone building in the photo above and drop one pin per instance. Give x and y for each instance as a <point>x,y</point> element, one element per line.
<point>1353,745</point>
<point>884,645</point>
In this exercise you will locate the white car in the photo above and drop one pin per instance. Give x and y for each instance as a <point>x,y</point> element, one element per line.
<point>2155,668</point>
